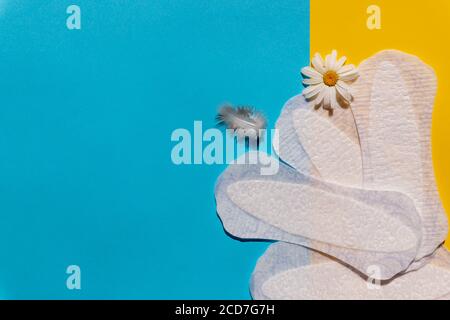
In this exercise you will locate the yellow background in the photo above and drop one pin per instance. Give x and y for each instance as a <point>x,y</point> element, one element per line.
<point>419,27</point>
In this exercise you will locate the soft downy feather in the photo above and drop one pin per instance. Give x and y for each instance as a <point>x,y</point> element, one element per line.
<point>245,121</point>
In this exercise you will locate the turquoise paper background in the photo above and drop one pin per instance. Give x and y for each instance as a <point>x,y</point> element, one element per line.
<point>86,117</point>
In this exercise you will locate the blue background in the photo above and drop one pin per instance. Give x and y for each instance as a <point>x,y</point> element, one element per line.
<point>86,117</point>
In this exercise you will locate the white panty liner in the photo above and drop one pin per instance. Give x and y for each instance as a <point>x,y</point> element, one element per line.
<point>290,272</point>
<point>278,258</point>
<point>336,156</point>
<point>360,227</point>
<point>393,105</point>
<point>319,145</point>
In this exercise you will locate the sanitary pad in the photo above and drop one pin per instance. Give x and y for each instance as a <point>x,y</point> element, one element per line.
<point>359,227</point>
<point>290,272</point>
<point>393,105</point>
<point>319,145</point>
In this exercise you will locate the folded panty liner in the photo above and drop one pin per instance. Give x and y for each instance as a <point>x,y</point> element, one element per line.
<point>359,227</point>
<point>293,272</point>
<point>393,105</point>
<point>319,145</point>
<point>278,258</point>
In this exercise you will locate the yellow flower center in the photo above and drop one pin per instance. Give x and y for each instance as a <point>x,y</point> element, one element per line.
<point>330,78</point>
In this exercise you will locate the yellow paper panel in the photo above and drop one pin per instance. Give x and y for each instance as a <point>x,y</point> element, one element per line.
<point>418,27</point>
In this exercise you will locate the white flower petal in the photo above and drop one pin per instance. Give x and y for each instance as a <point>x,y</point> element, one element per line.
<point>344,74</point>
<point>312,91</point>
<point>340,63</point>
<point>320,97</point>
<point>334,59</point>
<point>333,100</point>
<point>328,62</point>
<point>311,72</point>
<point>345,69</point>
<point>326,97</point>
<point>348,73</point>
<point>343,92</point>
<point>312,81</point>
<point>318,63</point>
<point>349,76</point>
<point>331,60</point>
<point>344,86</point>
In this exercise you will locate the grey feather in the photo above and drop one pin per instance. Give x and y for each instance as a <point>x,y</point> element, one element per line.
<point>245,121</point>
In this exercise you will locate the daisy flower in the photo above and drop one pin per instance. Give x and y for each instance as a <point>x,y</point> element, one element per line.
<point>329,81</point>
